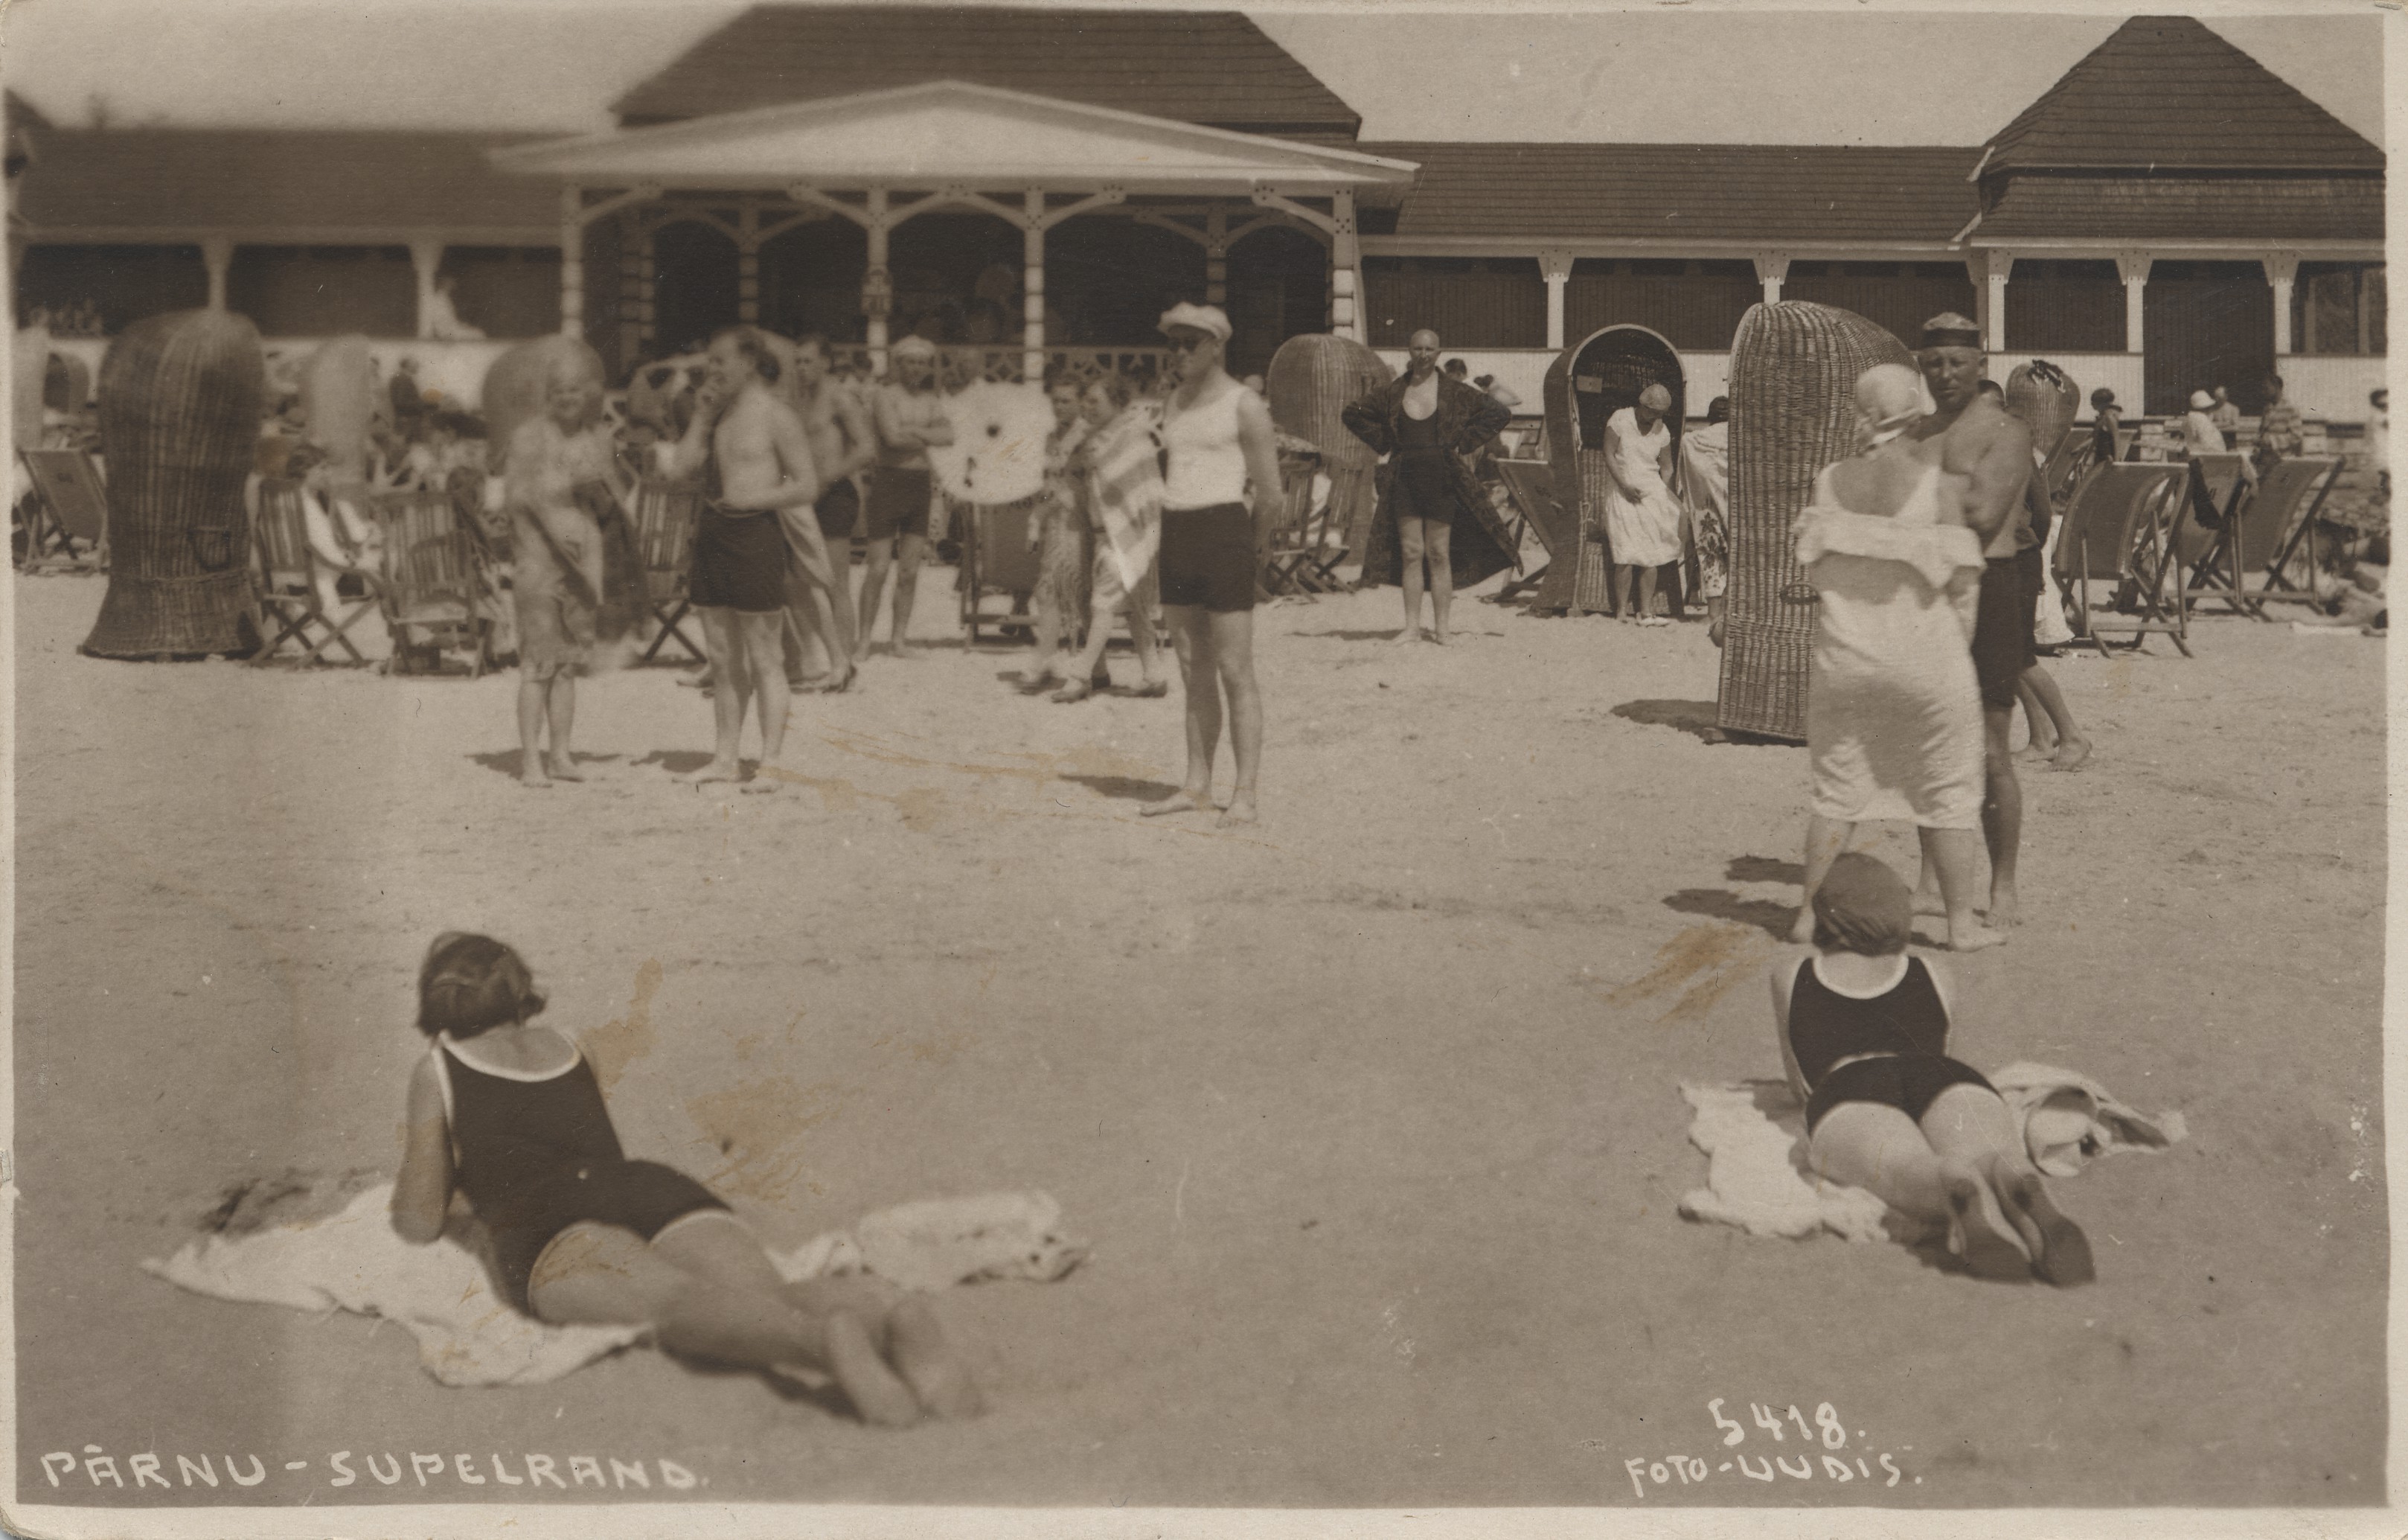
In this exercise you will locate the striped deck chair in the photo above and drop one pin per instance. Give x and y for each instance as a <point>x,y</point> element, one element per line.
<point>664,524</point>
<point>2121,530</point>
<point>2208,538</point>
<point>1530,485</point>
<point>68,507</point>
<point>434,587</point>
<point>295,580</point>
<point>2278,530</point>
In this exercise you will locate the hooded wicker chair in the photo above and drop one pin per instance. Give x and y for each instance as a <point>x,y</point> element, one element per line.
<point>1793,378</point>
<point>1586,384</point>
<point>180,404</point>
<point>1312,379</point>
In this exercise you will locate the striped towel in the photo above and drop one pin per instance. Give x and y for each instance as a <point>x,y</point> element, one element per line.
<point>1124,483</point>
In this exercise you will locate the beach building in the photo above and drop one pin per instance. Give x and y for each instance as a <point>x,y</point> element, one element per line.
<point>1032,187</point>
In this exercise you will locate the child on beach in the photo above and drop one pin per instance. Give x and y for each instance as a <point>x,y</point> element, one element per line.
<point>1864,1034</point>
<point>509,1113</point>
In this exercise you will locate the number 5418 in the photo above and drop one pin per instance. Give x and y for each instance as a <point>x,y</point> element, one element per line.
<point>1827,1421</point>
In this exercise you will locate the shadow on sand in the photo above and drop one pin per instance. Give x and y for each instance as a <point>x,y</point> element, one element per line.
<point>1124,788</point>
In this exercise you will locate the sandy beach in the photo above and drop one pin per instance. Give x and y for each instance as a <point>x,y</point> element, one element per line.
<point>1371,1113</point>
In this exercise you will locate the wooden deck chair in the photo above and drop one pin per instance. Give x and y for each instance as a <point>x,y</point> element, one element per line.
<point>2209,535</point>
<point>1294,558</point>
<point>291,606</point>
<point>1531,486</point>
<point>998,558</point>
<point>2278,530</point>
<point>2121,530</point>
<point>665,524</point>
<point>432,591</point>
<point>69,506</point>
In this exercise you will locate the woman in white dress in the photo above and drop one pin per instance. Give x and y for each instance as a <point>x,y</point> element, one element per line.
<point>1643,518</point>
<point>1893,711</point>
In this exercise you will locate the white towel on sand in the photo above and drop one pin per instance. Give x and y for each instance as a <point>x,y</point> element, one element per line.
<point>1757,1180</point>
<point>352,1260</point>
<point>2069,1119</point>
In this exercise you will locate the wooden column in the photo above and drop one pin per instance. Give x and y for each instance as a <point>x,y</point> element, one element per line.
<point>747,262</point>
<point>1556,267</point>
<point>1988,271</point>
<point>1771,270</point>
<point>647,331</point>
<point>572,261</point>
<point>217,254</point>
<point>1032,286</point>
<point>633,242</point>
<point>1345,267</point>
<point>2133,268</point>
<point>426,261</point>
<point>2281,272</point>
<point>1216,255</point>
<point>873,279</point>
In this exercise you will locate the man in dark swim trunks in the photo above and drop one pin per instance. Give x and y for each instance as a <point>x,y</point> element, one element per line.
<point>842,443</point>
<point>755,460</point>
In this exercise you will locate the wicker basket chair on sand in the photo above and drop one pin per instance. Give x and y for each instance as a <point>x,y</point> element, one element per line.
<point>179,405</point>
<point>1793,380</point>
<point>1585,385</point>
<point>1312,379</point>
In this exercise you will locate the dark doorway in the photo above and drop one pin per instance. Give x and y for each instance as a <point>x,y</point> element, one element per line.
<point>811,280</point>
<point>694,286</point>
<point>2207,324</point>
<point>1278,288</point>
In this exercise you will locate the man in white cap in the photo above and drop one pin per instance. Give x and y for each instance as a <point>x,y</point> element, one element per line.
<point>1973,435</point>
<point>1217,438</point>
<point>908,413</point>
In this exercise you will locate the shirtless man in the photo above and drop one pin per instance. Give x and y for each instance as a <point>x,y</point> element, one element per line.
<point>908,413</point>
<point>842,442</point>
<point>1973,435</point>
<point>755,456</point>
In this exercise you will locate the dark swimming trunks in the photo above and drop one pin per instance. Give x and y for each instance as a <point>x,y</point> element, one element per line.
<point>1207,558</point>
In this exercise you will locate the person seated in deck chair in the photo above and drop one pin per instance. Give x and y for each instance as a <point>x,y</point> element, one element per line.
<point>507,1115</point>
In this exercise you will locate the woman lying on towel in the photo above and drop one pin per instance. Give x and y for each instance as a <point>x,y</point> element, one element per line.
<point>509,1114</point>
<point>1864,1033</point>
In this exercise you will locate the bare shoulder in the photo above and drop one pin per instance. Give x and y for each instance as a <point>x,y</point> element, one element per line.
<point>1250,407</point>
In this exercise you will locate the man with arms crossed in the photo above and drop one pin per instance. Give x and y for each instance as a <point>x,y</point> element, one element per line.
<point>754,457</point>
<point>842,443</point>
<point>1973,435</point>
<point>908,412</point>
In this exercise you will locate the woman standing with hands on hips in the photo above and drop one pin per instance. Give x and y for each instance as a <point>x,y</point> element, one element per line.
<point>1217,436</point>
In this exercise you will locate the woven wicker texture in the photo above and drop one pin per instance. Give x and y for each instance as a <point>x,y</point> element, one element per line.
<point>1794,368</point>
<point>179,405</point>
<point>2045,397</point>
<point>1586,384</point>
<point>1312,380</point>
<point>513,388</point>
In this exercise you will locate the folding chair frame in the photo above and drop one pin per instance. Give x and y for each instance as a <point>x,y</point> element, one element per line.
<point>63,478</point>
<point>1525,483</point>
<point>665,521</point>
<point>2145,541</point>
<point>2279,588</point>
<point>2217,573</point>
<point>280,541</point>
<point>430,556</point>
<point>1295,559</point>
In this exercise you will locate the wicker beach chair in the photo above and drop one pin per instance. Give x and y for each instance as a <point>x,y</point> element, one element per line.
<point>2208,538</point>
<point>2278,528</point>
<point>2120,530</point>
<point>291,603</point>
<point>1793,380</point>
<point>1312,379</point>
<point>1586,384</point>
<point>664,522</point>
<point>69,508</point>
<point>432,588</point>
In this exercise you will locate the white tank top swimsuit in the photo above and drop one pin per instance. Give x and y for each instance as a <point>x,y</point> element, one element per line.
<point>1207,466</point>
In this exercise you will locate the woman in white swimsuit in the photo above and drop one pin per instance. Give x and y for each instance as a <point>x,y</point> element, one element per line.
<point>1222,483</point>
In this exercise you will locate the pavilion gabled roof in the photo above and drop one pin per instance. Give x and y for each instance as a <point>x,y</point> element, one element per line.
<point>1213,67</point>
<point>951,134</point>
<point>2166,93</point>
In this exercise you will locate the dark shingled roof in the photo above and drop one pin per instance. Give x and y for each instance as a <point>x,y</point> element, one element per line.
<point>2205,208</point>
<point>1769,194</point>
<point>2165,92</point>
<point>1210,68</point>
<point>259,179</point>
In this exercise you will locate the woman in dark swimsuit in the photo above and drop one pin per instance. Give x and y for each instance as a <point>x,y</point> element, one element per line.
<point>509,1114</point>
<point>1864,1033</point>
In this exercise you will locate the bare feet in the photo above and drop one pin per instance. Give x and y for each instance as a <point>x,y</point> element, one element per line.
<point>1440,637</point>
<point>718,770</point>
<point>765,780</point>
<point>532,777</point>
<point>1406,636</point>
<point>882,1400</point>
<point>842,683</point>
<point>2071,755</point>
<point>2060,1252</point>
<point>2003,911</point>
<point>1241,811</point>
<point>564,767</point>
<point>904,651</point>
<point>1989,1247</point>
<point>1966,934</point>
<point>927,1364</point>
<point>1185,802</point>
<point>1928,900</point>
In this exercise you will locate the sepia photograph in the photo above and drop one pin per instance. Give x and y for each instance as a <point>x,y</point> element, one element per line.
<point>791,767</point>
